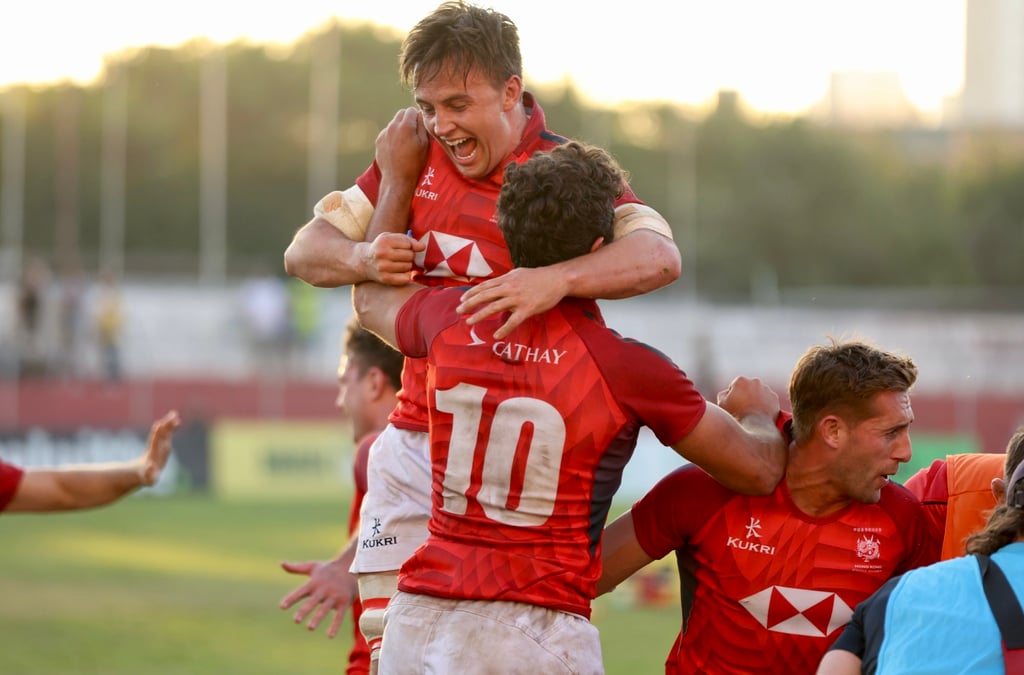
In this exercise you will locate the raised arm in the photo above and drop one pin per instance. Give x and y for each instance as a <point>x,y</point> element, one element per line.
<point>82,487</point>
<point>738,443</point>
<point>642,258</point>
<point>621,553</point>
<point>341,246</point>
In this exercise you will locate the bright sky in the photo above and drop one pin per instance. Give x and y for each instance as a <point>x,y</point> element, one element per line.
<point>778,54</point>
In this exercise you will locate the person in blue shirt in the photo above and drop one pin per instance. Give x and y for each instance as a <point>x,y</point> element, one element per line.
<point>940,618</point>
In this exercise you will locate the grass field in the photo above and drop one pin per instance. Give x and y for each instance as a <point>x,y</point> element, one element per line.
<point>190,586</point>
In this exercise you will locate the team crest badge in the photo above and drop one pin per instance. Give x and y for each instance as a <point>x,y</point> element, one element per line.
<point>868,549</point>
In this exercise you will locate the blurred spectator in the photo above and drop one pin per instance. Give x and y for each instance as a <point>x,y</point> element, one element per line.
<point>304,305</point>
<point>108,322</point>
<point>266,313</point>
<point>30,339</point>
<point>71,326</point>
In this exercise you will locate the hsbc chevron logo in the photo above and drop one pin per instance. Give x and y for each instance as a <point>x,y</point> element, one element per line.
<point>449,256</point>
<point>798,611</point>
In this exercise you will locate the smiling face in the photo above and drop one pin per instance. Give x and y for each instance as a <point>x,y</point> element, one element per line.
<point>871,450</point>
<point>477,123</point>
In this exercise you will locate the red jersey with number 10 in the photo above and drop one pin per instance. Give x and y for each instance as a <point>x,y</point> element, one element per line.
<point>528,439</point>
<point>455,217</point>
<point>767,588</point>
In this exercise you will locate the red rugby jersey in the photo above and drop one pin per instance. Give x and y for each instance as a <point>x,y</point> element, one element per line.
<point>455,217</point>
<point>359,655</point>
<point>767,588</point>
<point>10,478</point>
<point>528,439</point>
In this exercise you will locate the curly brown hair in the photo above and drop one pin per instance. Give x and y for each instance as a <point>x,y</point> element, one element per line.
<point>456,38</point>
<point>843,378</point>
<point>556,204</point>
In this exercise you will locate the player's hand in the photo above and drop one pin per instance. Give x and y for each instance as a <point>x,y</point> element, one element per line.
<point>402,146</point>
<point>158,448</point>
<point>330,587</point>
<point>749,396</point>
<point>523,292</point>
<point>388,259</point>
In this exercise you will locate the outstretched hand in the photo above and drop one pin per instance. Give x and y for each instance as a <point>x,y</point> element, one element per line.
<point>523,292</point>
<point>158,448</point>
<point>330,588</point>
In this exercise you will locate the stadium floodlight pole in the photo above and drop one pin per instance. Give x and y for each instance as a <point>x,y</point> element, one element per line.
<point>213,140</point>
<point>67,178</point>
<point>324,90</point>
<point>12,220</point>
<point>12,187</point>
<point>113,160</point>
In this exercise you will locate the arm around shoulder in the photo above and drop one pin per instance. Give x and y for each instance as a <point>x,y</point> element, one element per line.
<point>747,457</point>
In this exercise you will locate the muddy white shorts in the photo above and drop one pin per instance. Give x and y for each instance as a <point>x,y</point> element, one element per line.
<point>396,507</point>
<point>425,634</point>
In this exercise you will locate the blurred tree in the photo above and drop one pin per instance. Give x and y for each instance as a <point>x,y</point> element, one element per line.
<point>761,206</point>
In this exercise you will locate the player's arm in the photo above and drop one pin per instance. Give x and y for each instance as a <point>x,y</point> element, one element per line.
<point>330,587</point>
<point>839,662</point>
<point>341,245</point>
<point>738,443</point>
<point>621,553</point>
<point>82,487</point>
<point>376,306</point>
<point>642,258</point>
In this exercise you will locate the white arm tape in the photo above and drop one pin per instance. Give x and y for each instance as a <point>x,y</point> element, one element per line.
<point>349,211</point>
<point>632,217</point>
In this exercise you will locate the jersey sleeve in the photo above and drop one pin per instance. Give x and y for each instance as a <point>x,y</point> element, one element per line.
<point>921,545</point>
<point>672,409</point>
<point>675,509</point>
<point>423,316</point>
<point>10,479</point>
<point>864,634</point>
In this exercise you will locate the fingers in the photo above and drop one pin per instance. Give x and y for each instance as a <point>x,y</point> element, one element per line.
<point>306,608</point>
<point>296,595</point>
<point>514,319</point>
<point>298,567</point>
<point>332,630</point>
<point>158,448</point>
<point>322,610</point>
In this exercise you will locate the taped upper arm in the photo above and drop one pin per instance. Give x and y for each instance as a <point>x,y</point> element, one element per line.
<point>347,210</point>
<point>632,217</point>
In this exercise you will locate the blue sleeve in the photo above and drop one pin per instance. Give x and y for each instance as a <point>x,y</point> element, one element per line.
<point>865,633</point>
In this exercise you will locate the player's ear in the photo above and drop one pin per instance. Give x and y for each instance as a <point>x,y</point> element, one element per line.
<point>598,243</point>
<point>512,92</point>
<point>999,491</point>
<point>375,381</point>
<point>831,428</point>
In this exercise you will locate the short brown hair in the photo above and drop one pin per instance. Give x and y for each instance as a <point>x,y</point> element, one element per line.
<point>459,36</point>
<point>365,350</point>
<point>843,377</point>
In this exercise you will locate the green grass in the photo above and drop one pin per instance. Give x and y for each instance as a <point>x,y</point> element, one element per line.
<point>190,586</point>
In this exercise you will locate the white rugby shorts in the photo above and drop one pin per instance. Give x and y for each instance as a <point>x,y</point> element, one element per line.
<point>396,507</point>
<point>425,634</point>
